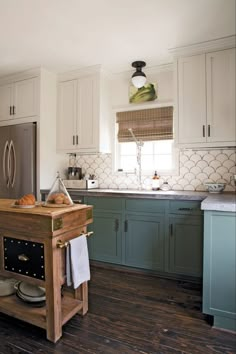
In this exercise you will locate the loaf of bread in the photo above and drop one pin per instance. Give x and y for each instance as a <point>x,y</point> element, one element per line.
<point>27,199</point>
<point>58,198</point>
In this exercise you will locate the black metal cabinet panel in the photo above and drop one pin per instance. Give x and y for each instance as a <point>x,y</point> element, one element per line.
<point>24,257</point>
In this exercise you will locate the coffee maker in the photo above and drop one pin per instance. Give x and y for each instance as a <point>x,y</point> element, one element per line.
<point>73,172</point>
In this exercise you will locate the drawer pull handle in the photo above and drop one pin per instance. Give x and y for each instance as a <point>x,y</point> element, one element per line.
<point>186,209</point>
<point>23,258</point>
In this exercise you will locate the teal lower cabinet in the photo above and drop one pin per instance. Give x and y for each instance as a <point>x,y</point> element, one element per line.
<point>105,244</point>
<point>144,241</point>
<point>136,233</point>
<point>219,270</point>
<point>185,245</point>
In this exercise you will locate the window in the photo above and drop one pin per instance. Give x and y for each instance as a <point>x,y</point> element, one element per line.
<point>155,155</point>
<point>153,127</point>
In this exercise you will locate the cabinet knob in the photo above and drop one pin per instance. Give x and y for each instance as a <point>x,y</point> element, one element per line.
<point>203,131</point>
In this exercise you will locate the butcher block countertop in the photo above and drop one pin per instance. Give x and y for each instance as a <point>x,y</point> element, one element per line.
<point>43,221</point>
<point>7,205</point>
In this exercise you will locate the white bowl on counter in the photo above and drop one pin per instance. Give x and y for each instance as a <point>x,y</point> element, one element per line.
<point>215,187</point>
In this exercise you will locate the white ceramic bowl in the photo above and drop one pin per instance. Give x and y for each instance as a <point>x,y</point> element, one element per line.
<point>7,286</point>
<point>215,187</point>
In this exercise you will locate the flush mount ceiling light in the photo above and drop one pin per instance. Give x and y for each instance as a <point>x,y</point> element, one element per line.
<point>138,77</point>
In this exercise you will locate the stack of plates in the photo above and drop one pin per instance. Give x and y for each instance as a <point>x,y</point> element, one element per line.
<point>31,294</point>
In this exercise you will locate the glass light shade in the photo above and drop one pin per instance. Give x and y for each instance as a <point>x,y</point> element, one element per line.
<point>139,81</point>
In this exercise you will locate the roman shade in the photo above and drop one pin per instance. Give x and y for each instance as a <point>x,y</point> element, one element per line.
<point>147,124</point>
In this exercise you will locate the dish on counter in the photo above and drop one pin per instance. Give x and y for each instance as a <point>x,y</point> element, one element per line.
<point>215,187</point>
<point>23,206</point>
<point>26,206</point>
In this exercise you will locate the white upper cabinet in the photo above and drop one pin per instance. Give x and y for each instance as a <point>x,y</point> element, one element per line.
<point>220,68</point>
<point>205,99</point>
<point>192,99</point>
<point>83,120</point>
<point>19,99</point>
<point>5,101</point>
<point>67,115</point>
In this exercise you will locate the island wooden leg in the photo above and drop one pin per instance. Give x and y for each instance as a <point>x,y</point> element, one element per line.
<point>53,291</point>
<point>81,293</point>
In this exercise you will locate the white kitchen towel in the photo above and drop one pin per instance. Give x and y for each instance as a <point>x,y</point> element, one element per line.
<point>77,262</point>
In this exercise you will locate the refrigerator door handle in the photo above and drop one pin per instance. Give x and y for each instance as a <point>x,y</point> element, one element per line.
<point>12,157</point>
<point>5,160</point>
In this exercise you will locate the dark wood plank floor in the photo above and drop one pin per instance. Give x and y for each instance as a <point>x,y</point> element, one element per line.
<point>128,313</point>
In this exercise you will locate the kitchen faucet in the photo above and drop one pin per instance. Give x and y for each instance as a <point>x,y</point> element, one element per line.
<point>139,144</point>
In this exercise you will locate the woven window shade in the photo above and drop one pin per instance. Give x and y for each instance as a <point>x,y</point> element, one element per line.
<point>147,124</point>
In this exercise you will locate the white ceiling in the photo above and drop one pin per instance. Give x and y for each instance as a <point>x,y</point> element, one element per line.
<point>63,35</point>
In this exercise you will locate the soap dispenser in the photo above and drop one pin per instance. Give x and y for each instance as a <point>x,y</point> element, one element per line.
<point>155,182</point>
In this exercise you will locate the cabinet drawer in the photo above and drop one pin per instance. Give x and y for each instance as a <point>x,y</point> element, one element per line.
<point>146,205</point>
<point>24,257</point>
<point>105,203</point>
<point>185,207</point>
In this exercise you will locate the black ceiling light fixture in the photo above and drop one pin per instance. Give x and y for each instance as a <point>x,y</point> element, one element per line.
<point>138,77</point>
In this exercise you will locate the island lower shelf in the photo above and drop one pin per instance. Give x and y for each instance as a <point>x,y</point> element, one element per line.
<point>12,306</point>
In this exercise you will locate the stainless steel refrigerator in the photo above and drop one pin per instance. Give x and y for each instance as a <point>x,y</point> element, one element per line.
<point>17,160</point>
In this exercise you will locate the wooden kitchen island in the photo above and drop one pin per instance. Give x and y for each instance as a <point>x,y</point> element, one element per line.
<point>32,249</point>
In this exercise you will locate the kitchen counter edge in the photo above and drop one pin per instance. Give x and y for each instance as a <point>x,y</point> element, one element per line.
<point>219,202</point>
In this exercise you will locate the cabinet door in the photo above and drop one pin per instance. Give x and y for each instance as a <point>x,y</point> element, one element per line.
<point>5,101</point>
<point>219,276</point>
<point>67,116</point>
<point>105,244</point>
<point>221,96</point>
<point>87,120</point>
<point>144,241</point>
<point>186,238</point>
<point>25,98</point>
<point>192,99</point>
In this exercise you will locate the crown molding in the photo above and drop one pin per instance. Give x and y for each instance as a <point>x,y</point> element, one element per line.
<point>203,47</point>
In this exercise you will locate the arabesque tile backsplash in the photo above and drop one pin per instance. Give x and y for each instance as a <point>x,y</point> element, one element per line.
<point>196,168</point>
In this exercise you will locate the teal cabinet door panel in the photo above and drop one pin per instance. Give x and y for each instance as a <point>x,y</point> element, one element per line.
<point>106,243</point>
<point>186,245</point>
<point>144,240</point>
<point>219,277</point>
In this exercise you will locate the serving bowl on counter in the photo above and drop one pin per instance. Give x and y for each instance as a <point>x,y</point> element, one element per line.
<point>215,187</point>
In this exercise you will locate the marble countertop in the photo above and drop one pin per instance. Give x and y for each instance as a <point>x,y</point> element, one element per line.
<point>225,201</point>
<point>220,202</point>
<point>145,194</point>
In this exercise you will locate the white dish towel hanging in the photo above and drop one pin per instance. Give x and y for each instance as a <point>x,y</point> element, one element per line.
<point>77,262</point>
